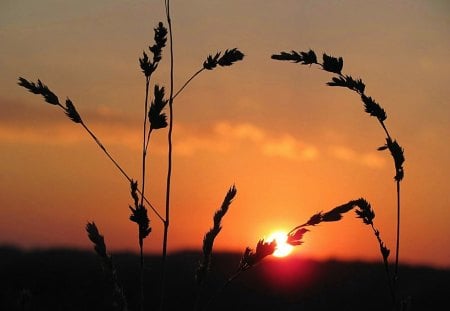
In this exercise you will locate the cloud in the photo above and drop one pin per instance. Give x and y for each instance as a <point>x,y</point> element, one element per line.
<point>113,127</point>
<point>27,124</point>
<point>56,134</point>
<point>282,146</point>
<point>370,159</point>
<point>240,131</point>
<point>187,144</point>
<point>226,136</point>
<point>289,148</point>
<point>46,124</point>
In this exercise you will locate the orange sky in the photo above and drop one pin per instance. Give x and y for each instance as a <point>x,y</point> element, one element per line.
<point>290,144</point>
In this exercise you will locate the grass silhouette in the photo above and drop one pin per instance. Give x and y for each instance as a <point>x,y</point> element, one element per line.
<point>119,301</point>
<point>155,118</point>
<point>335,66</point>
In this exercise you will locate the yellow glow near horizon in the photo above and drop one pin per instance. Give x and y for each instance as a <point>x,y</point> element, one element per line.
<point>283,249</point>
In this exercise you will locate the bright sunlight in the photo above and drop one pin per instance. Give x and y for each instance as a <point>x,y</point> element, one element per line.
<point>283,249</point>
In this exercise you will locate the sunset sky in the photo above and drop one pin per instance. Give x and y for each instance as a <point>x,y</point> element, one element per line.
<point>292,145</point>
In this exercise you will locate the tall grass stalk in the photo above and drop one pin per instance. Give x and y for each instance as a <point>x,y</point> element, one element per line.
<point>144,155</point>
<point>249,259</point>
<point>169,160</point>
<point>208,243</point>
<point>140,217</point>
<point>364,211</point>
<point>50,97</point>
<point>119,301</point>
<point>335,65</point>
<point>157,120</point>
<point>228,58</point>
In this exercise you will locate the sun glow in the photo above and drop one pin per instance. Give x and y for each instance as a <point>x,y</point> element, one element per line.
<point>283,249</point>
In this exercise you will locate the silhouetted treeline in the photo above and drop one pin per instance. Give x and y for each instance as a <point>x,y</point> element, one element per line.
<point>65,279</point>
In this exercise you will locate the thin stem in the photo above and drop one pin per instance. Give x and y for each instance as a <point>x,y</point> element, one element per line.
<point>106,152</point>
<point>144,155</point>
<point>116,164</point>
<point>148,138</point>
<point>386,266</point>
<point>188,81</point>
<point>385,130</point>
<point>393,287</point>
<point>144,139</point>
<point>141,248</point>
<point>169,165</point>
<point>296,228</point>
<point>398,233</point>
<point>176,94</point>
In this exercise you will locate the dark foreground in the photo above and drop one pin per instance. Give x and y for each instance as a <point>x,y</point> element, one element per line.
<point>61,279</point>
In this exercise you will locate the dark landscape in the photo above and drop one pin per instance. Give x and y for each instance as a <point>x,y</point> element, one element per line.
<point>66,279</point>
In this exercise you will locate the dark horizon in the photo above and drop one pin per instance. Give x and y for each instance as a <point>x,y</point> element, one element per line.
<point>89,249</point>
<point>73,280</point>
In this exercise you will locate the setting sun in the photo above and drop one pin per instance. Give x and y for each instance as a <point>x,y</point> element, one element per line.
<point>283,249</point>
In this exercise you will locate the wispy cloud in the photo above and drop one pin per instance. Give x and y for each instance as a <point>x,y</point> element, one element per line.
<point>240,131</point>
<point>36,124</point>
<point>56,134</point>
<point>113,127</point>
<point>227,136</point>
<point>370,159</point>
<point>290,148</point>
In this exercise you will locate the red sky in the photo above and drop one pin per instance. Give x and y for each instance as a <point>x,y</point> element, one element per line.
<point>290,144</point>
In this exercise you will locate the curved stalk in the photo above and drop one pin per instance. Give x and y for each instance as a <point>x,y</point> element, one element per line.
<point>187,82</point>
